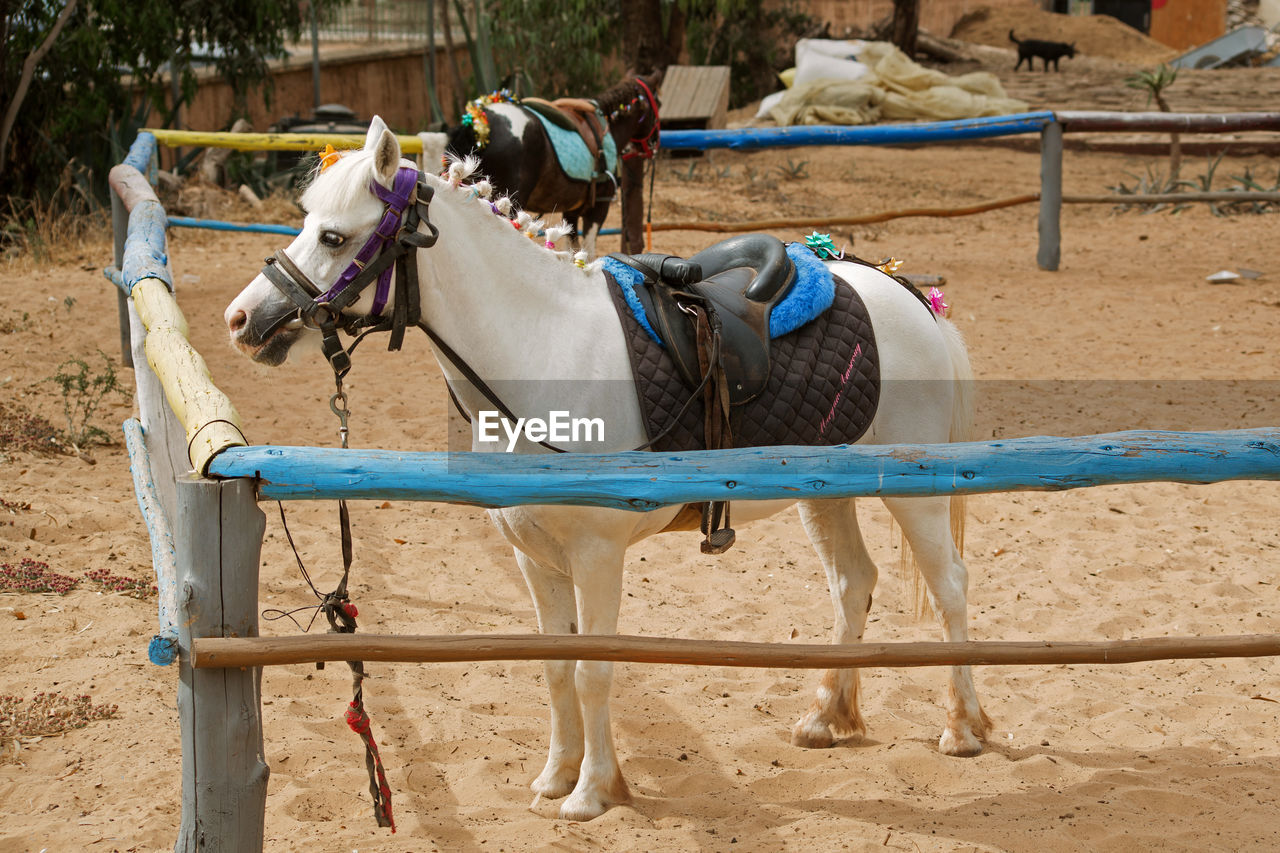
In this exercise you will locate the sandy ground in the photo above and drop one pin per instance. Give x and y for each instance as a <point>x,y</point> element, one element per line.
<point>1169,756</point>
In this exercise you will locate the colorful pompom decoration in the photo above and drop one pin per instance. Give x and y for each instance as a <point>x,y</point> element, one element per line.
<point>475,117</point>
<point>938,303</point>
<point>822,246</point>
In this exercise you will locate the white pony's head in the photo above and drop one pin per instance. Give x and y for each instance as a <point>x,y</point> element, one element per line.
<point>342,213</point>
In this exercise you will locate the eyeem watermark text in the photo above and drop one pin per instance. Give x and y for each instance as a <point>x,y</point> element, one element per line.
<point>557,428</point>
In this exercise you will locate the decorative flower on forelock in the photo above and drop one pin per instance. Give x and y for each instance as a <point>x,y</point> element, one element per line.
<point>889,266</point>
<point>328,157</point>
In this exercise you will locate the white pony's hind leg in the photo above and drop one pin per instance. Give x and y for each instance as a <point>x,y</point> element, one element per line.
<point>597,576</point>
<point>553,601</point>
<point>851,576</point>
<point>926,524</point>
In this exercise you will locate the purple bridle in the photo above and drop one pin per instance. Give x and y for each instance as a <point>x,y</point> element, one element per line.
<point>393,244</point>
<point>397,199</point>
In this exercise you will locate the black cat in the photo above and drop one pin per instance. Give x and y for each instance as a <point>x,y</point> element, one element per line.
<point>1029,49</point>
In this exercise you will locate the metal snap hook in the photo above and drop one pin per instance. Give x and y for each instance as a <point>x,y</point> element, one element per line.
<point>338,405</point>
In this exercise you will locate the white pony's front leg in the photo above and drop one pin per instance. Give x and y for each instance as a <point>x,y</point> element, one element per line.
<point>572,561</point>
<point>553,601</point>
<point>925,523</point>
<point>851,577</point>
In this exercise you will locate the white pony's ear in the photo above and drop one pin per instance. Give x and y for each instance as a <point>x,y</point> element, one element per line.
<point>386,158</point>
<point>376,126</point>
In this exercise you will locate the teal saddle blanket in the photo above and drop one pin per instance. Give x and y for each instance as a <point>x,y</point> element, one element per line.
<point>572,152</point>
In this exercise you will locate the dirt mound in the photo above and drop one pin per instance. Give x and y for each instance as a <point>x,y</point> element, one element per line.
<point>1093,35</point>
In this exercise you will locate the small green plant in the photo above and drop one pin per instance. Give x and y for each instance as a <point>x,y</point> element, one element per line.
<point>686,175</point>
<point>794,171</point>
<point>82,393</point>
<point>68,302</point>
<point>1153,182</point>
<point>1154,83</point>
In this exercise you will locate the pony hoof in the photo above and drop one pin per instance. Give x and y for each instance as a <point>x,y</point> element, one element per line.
<point>553,786</point>
<point>813,733</point>
<point>961,745</point>
<point>582,808</point>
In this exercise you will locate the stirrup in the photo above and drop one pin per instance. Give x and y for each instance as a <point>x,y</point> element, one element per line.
<point>719,542</point>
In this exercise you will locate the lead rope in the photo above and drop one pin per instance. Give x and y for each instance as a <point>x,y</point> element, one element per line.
<point>341,614</point>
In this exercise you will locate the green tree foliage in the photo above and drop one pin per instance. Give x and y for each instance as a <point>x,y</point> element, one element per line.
<point>555,47</point>
<point>107,69</point>
<point>562,45</point>
<point>754,38</point>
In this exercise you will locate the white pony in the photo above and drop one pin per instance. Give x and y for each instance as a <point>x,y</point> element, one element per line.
<point>514,309</point>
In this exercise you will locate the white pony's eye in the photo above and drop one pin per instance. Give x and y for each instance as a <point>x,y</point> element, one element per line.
<point>332,239</point>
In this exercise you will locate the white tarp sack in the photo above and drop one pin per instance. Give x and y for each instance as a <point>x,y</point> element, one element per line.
<point>828,59</point>
<point>894,88</point>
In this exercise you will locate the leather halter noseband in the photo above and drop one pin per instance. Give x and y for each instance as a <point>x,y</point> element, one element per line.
<point>395,240</point>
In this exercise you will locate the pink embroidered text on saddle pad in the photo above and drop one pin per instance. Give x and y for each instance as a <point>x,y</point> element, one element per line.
<point>823,388</point>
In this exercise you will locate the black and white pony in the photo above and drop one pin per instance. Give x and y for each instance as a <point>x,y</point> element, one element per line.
<point>509,307</point>
<point>548,169</point>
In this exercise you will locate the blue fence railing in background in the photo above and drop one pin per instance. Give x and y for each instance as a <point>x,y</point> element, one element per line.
<point>749,138</point>
<point>219,225</point>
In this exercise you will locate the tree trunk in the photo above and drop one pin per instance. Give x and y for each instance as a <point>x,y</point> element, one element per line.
<point>24,81</point>
<point>906,23</point>
<point>646,49</point>
<point>632,190</point>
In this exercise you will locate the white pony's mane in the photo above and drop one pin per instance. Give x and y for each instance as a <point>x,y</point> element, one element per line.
<point>345,179</point>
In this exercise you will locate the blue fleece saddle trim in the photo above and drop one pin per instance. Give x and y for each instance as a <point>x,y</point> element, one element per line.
<point>813,292</point>
<point>628,279</point>
<point>572,152</point>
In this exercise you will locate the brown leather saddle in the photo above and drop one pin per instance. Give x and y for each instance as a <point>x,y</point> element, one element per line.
<point>578,115</point>
<point>712,312</point>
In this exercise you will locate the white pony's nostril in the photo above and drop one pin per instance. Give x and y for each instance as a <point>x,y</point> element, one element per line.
<point>237,321</point>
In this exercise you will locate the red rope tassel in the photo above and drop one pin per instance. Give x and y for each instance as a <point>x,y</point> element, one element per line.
<point>359,722</point>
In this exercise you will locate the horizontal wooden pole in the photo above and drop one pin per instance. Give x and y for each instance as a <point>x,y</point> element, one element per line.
<point>207,415</point>
<point>1169,198</point>
<point>645,481</point>
<point>222,652</point>
<point>1098,121</point>
<point>829,221</point>
<point>131,185</point>
<point>899,133</point>
<point>272,141</point>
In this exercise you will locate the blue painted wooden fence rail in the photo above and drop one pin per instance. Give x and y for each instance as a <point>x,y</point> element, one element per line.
<point>743,139</point>
<point>643,481</point>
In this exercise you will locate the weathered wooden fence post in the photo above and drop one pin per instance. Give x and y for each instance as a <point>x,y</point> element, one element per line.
<point>119,230</point>
<point>1049,253</point>
<point>224,775</point>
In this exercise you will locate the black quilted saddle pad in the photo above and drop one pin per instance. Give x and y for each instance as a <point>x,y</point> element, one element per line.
<point>823,388</point>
